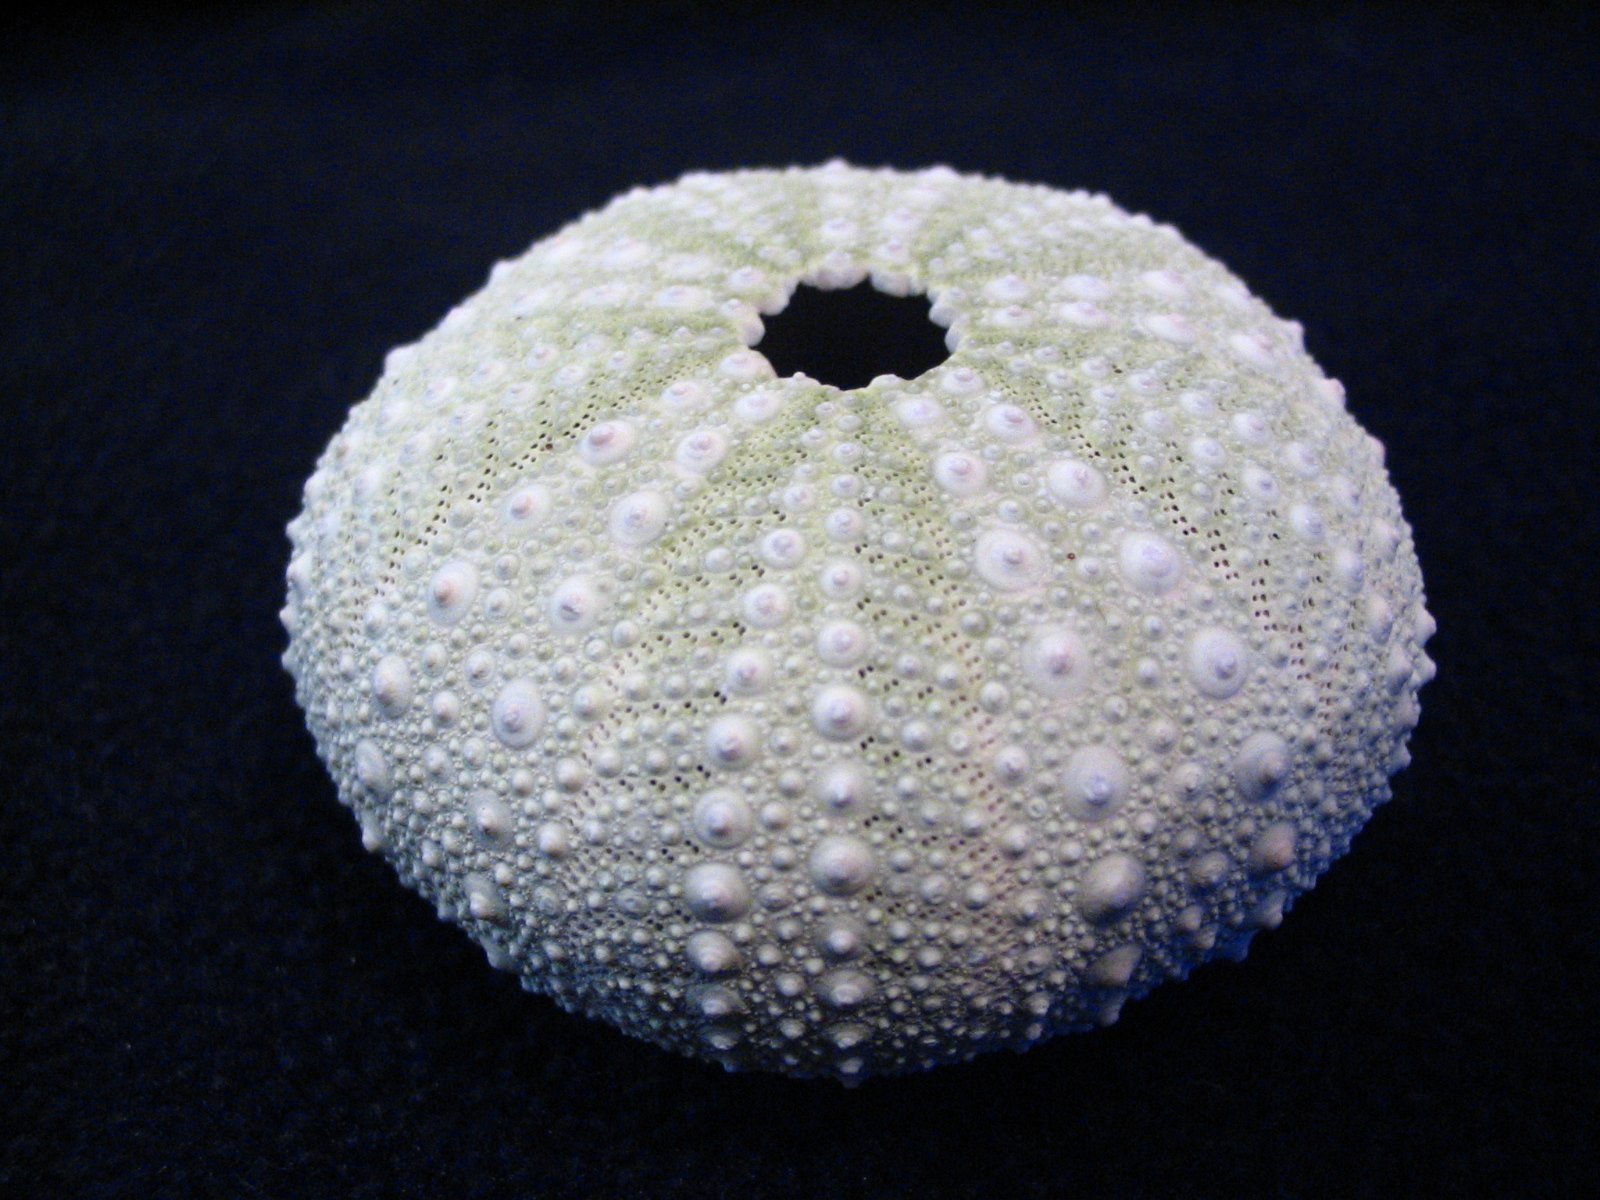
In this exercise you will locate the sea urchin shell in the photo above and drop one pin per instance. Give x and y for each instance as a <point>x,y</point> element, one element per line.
<point>853,732</point>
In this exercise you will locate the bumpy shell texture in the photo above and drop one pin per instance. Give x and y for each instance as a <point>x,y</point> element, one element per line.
<point>849,733</point>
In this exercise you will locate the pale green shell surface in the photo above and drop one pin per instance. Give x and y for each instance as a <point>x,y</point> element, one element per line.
<point>846,733</point>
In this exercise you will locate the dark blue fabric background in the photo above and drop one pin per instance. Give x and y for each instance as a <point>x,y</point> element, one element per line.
<point>213,227</point>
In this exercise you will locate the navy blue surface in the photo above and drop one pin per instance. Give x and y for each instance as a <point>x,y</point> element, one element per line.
<point>211,230</point>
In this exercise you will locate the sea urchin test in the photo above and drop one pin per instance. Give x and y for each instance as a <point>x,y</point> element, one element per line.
<point>852,732</point>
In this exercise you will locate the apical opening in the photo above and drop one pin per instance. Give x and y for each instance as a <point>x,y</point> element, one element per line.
<point>848,338</point>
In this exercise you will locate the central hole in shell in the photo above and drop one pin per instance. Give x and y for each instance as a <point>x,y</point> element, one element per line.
<point>849,337</point>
